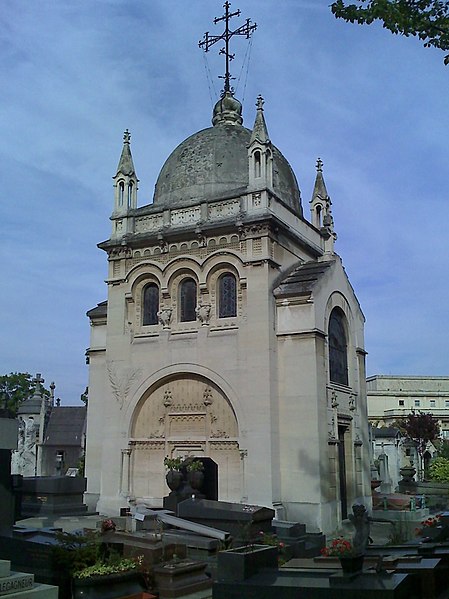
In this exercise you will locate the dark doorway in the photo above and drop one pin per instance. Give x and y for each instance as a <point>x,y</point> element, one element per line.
<point>209,487</point>
<point>342,470</point>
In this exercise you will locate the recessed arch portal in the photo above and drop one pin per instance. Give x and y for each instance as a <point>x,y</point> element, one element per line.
<point>184,415</point>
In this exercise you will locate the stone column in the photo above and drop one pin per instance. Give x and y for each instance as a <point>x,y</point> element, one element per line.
<point>125,472</point>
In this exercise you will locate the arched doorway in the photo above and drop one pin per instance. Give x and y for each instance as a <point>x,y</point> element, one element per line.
<point>186,415</point>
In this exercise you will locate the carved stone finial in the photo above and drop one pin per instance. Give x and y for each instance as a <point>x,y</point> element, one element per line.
<point>319,165</point>
<point>126,137</point>
<point>260,102</point>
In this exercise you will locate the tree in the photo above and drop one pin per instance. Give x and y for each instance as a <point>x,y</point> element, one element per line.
<point>421,428</point>
<point>426,19</point>
<point>15,388</point>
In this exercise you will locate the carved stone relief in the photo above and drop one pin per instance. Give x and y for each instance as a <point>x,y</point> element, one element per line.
<point>120,381</point>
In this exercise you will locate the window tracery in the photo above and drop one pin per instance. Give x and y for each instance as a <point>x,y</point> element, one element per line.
<point>187,300</point>
<point>338,349</point>
<point>150,304</point>
<point>227,296</point>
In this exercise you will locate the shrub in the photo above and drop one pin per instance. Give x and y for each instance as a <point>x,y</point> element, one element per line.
<point>439,470</point>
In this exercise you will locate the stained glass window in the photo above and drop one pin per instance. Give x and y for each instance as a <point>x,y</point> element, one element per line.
<point>338,351</point>
<point>227,296</point>
<point>150,304</point>
<point>188,300</point>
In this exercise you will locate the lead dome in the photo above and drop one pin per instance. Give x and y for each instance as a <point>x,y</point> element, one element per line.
<point>213,163</point>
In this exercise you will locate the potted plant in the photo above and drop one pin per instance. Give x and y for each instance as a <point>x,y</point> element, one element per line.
<point>351,561</point>
<point>92,565</point>
<point>174,475</point>
<point>195,474</point>
<point>95,581</point>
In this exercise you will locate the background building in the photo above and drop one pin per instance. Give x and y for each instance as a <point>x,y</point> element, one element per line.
<point>391,397</point>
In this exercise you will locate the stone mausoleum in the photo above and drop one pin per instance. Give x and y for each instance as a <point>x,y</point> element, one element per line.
<point>230,331</point>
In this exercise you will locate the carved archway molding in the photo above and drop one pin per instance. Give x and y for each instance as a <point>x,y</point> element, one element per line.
<point>161,376</point>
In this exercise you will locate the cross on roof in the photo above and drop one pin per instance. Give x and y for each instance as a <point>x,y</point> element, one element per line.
<point>126,136</point>
<point>210,40</point>
<point>38,380</point>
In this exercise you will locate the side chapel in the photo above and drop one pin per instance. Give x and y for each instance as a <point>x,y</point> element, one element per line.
<point>231,331</point>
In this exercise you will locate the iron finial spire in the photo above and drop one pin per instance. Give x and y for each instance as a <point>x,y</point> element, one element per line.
<point>210,40</point>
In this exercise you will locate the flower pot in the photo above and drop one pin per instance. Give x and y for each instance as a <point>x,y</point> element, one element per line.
<point>238,564</point>
<point>174,479</point>
<point>351,564</point>
<point>110,586</point>
<point>196,479</point>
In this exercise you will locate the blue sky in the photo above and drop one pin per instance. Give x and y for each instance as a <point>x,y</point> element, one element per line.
<point>77,73</point>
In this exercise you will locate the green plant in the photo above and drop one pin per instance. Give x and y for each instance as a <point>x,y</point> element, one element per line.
<point>114,566</point>
<point>271,539</point>
<point>439,470</point>
<point>173,463</point>
<point>195,466</point>
<point>76,551</point>
<point>338,547</point>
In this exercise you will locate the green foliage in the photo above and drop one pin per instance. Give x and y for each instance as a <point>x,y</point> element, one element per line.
<point>172,463</point>
<point>15,388</point>
<point>443,448</point>
<point>115,565</point>
<point>426,19</point>
<point>76,551</point>
<point>439,470</point>
<point>195,466</point>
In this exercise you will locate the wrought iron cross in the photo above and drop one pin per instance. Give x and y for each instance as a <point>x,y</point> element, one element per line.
<point>210,40</point>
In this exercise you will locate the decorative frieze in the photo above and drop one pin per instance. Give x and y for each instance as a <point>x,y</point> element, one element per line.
<point>151,222</point>
<point>223,209</point>
<point>184,216</point>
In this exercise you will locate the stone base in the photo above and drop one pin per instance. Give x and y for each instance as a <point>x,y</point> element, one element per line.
<point>18,585</point>
<point>177,579</point>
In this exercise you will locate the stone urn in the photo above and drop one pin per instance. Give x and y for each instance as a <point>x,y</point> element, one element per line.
<point>174,480</point>
<point>407,473</point>
<point>352,564</point>
<point>196,479</point>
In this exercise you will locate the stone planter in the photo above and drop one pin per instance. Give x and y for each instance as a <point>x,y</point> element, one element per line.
<point>196,479</point>
<point>111,586</point>
<point>352,565</point>
<point>174,479</point>
<point>238,564</point>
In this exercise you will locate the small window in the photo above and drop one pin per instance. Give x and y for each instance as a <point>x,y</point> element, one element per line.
<point>257,164</point>
<point>446,403</point>
<point>187,297</point>
<point>433,403</point>
<point>150,304</point>
<point>227,296</point>
<point>417,403</point>
<point>121,193</point>
<point>130,194</point>
<point>401,402</point>
<point>338,357</point>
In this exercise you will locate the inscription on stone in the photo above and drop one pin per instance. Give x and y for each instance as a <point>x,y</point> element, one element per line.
<point>15,583</point>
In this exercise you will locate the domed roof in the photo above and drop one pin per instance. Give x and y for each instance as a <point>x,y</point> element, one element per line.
<point>213,164</point>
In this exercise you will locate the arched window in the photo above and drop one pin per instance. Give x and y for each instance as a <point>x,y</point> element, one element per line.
<point>150,304</point>
<point>121,193</point>
<point>130,194</point>
<point>257,163</point>
<point>227,296</point>
<point>338,350</point>
<point>187,298</point>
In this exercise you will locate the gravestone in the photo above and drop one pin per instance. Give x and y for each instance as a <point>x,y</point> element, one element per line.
<point>53,496</point>
<point>8,441</point>
<point>243,522</point>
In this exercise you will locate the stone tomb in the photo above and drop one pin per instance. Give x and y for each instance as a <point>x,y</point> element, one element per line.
<point>243,522</point>
<point>18,585</point>
<point>53,495</point>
